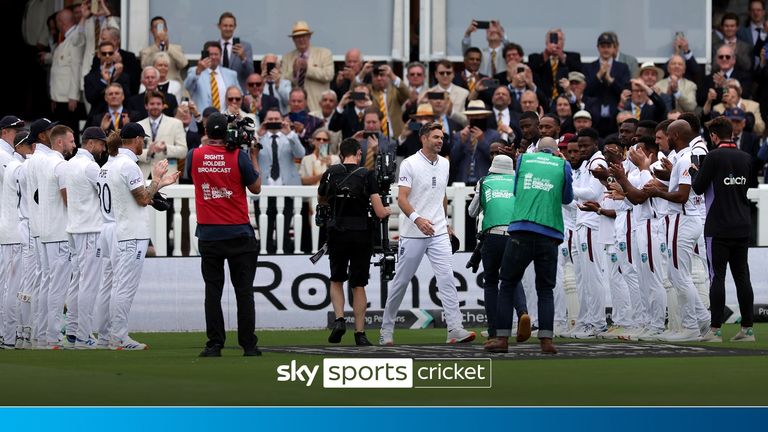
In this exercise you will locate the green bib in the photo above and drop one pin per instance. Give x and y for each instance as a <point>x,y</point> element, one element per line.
<point>497,198</point>
<point>539,193</point>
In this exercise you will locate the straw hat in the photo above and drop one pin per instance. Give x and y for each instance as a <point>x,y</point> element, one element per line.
<point>477,108</point>
<point>300,28</point>
<point>424,110</point>
<point>650,66</point>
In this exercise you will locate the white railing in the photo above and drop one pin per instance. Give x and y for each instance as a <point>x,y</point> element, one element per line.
<point>760,196</point>
<point>458,195</point>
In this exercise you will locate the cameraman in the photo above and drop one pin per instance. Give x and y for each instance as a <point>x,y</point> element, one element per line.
<point>347,188</point>
<point>221,174</point>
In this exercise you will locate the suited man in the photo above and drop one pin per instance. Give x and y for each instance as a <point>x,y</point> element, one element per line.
<point>349,113</point>
<point>308,67</point>
<point>729,25</point>
<point>408,142</point>
<point>114,114</point>
<point>577,83</point>
<point>168,140</point>
<point>643,102</point>
<point>471,75</point>
<point>303,124</point>
<point>255,101</point>
<point>504,119</point>
<point>235,56</point>
<point>200,85</point>
<point>458,96</point>
<point>513,55</point>
<point>353,63</point>
<point>606,79</point>
<point>150,78</point>
<point>275,85</point>
<point>131,65</point>
<point>328,104</point>
<point>493,58</point>
<point>111,70</point>
<point>553,64</point>
<point>388,93</point>
<point>276,159</point>
<point>629,60</point>
<point>725,68</point>
<point>755,30</point>
<point>520,81</point>
<point>470,158</point>
<point>178,61</point>
<point>92,30</point>
<point>65,71</point>
<point>372,146</point>
<point>680,89</point>
<point>731,98</point>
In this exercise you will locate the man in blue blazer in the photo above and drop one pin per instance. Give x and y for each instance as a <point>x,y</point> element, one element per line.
<point>199,83</point>
<point>606,79</point>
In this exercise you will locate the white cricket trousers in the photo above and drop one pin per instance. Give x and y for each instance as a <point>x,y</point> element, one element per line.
<point>411,252</point>
<point>591,284</point>
<point>565,285</point>
<point>10,285</point>
<point>127,277</point>
<point>108,253</point>
<point>684,234</point>
<point>57,263</point>
<point>30,275</point>
<point>626,250</point>
<point>40,281</point>
<point>86,279</point>
<point>650,272</point>
<point>621,309</point>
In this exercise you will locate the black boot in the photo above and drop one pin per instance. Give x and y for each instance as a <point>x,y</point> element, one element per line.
<point>361,339</point>
<point>338,330</point>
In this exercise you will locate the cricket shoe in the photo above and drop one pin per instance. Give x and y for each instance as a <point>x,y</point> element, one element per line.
<point>666,334</point>
<point>86,344</point>
<point>560,329</point>
<point>129,344</point>
<point>102,344</point>
<point>650,335</point>
<point>632,333</point>
<point>704,327</point>
<point>685,335</point>
<point>68,342</point>
<point>484,333</point>
<point>460,335</point>
<point>385,339</point>
<point>746,334</point>
<point>19,340</point>
<point>587,331</point>
<point>712,335</point>
<point>614,332</point>
<point>6,346</point>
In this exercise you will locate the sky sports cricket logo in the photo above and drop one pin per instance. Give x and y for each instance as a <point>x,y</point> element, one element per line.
<point>391,373</point>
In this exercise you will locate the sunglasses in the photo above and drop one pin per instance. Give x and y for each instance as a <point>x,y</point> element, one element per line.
<point>415,73</point>
<point>107,53</point>
<point>234,99</point>
<point>318,139</point>
<point>724,57</point>
<point>445,73</point>
<point>255,84</point>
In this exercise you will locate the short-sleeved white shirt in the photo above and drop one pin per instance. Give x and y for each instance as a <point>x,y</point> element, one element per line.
<point>123,178</point>
<point>428,181</point>
<point>83,214</point>
<point>681,176</point>
<point>105,193</point>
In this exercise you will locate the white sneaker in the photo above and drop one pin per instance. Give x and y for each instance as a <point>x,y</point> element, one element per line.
<point>8,346</point>
<point>560,330</point>
<point>460,335</point>
<point>712,336</point>
<point>89,343</point>
<point>613,332</point>
<point>685,335</point>
<point>704,327</point>
<point>746,334</point>
<point>650,335</point>
<point>129,344</point>
<point>386,339</point>
<point>588,331</point>
<point>484,333</point>
<point>68,342</point>
<point>102,344</point>
<point>632,333</point>
<point>576,328</point>
<point>666,334</point>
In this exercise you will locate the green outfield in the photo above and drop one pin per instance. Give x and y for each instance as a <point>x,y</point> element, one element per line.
<point>170,373</point>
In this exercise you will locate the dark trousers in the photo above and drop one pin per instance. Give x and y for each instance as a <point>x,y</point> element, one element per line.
<point>492,254</point>
<point>726,251</point>
<point>272,225</point>
<point>241,254</point>
<point>522,248</point>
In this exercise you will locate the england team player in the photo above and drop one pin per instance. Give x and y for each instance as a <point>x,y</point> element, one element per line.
<point>130,198</point>
<point>84,228</point>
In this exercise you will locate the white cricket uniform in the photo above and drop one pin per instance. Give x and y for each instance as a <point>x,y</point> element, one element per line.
<point>590,278</point>
<point>54,239</point>
<point>40,277</point>
<point>10,251</point>
<point>84,227</point>
<point>108,253</point>
<point>650,309</point>
<point>30,260</point>
<point>132,234</point>
<point>565,285</point>
<point>624,241</point>
<point>685,229</point>
<point>700,270</point>
<point>619,291</point>
<point>427,181</point>
<point>662,226</point>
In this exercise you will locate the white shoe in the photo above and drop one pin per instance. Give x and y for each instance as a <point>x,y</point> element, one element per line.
<point>8,346</point>
<point>650,335</point>
<point>560,330</point>
<point>712,336</point>
<point>129,344</point>
<point>386,339</point>
<point>746,334</point>
<point>704,327</point>
<point>613,332</point>
<point>588,331</point>
<point>460,335</point>
<point>68,342</point>
<point>685,335</point>
<point>102,344</point>
<point>632,333</point>
<point>87,344</point>
<point>484,333</point>
<point>576,328</point>
<point>666,334</point>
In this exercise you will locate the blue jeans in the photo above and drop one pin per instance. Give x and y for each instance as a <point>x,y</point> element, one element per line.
<point>492,253</point>
<point>522,248</point>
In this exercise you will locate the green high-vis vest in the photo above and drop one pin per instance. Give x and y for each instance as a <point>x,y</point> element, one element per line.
<point>539,193</point>
<point>497,198</point>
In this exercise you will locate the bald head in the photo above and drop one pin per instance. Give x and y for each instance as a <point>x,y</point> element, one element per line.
<point>65,19</point>
<point>680,134</point>
<point>547,144</point>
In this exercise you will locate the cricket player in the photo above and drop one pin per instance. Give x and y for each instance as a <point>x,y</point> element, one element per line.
<point>424,230</point>
<point>53,224</point>
<point>130,198</point>
<point>567,259</point>
<point>30,263</point>
<point>84,227</point>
